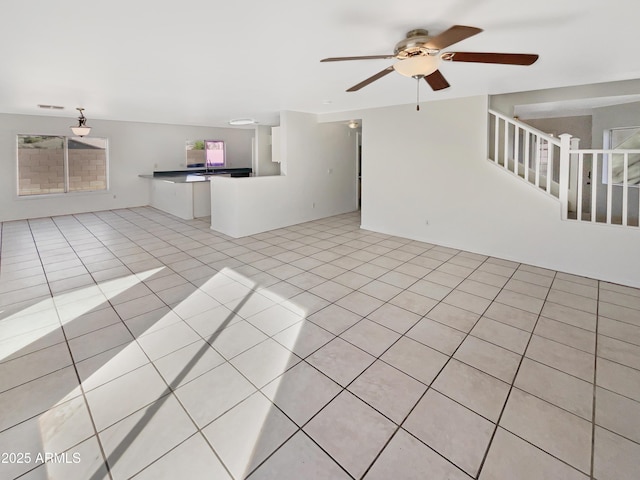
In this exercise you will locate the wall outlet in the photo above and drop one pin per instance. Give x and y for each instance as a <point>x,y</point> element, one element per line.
<point>313,205</point>
<point>426,222</point>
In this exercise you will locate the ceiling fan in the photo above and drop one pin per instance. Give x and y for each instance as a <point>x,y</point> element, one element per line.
<point>419,55</point>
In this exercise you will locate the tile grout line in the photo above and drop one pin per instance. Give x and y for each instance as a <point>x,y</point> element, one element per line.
<point>381,240</point>
<point>594,400</point>
<point>444,262</point>
<point>75,369</point>
<point>343,389</point>
<point>134,340</point>
<point>92,234</point>
<point>326,249</point>
<point>429,387</point>
<point>170,392</point>
<point>511,387</point>
<point>258,390</point>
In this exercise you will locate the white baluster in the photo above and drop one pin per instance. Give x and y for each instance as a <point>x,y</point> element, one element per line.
<point>575,175</point>
<point>527,146</point>
<point>516,148</point>
<point>506,145</point>
<point>549,166</point>
<point>537,170</point>
<point>563,180</point>
<point>609,185</point>
<point>496,135</point>
<point>625,189</point>
<point>580,181</point>
<point>594,181</point>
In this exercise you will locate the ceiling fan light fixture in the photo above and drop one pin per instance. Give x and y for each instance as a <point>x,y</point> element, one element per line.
<point>81,129</point>
<point>417,66</point>
<point>419,56</point>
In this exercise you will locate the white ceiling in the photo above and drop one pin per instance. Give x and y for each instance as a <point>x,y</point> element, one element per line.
<point>203,62</point>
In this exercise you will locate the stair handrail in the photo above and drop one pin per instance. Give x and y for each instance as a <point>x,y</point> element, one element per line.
<point>526,127</point>
<point>534,140</point>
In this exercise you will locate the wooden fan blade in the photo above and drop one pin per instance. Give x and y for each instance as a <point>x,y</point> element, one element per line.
<point>437,81</point>
<point>502,58</point>
<point>455,34</point>
<point>371,79</point>
<point>367,57</point>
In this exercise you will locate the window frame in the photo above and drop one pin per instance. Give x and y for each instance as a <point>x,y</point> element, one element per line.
<point>608,144</point>
<point>65,146</point>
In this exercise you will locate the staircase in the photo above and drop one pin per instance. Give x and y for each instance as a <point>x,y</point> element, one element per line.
<point>597,186</point>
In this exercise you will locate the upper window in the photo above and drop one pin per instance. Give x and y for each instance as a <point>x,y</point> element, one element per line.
<point>205,153</point>
<point>55,164</point>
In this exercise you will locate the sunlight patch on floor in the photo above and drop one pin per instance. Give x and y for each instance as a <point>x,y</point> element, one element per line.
<point>26,327</point>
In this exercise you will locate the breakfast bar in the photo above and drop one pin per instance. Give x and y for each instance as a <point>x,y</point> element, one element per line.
<point>187,193</point>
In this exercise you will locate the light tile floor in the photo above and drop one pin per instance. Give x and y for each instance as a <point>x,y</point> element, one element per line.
<point>134,344</point>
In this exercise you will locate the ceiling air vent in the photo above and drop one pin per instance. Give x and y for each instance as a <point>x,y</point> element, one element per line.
<point>50,107</point>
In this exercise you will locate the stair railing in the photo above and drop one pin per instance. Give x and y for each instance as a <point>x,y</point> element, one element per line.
<point>525,151</point>
<point>614,199</point>
<point>556,166</point>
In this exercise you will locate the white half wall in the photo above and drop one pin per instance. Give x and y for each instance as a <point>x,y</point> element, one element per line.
<point>431,166</point>
<point>134,149</point>
<point>320,181</point>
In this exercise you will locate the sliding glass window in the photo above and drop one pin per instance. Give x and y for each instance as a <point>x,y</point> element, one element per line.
<point>55,164</point>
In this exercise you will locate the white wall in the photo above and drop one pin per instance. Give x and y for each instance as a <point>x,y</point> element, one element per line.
<point>614,116</point>
<point>320,181</point>
<point>134,148</point>
<point>578,126</point>
<point>263,165</point>
<point>604,119</point>
<point>432,165</point>
<point>505,103</point>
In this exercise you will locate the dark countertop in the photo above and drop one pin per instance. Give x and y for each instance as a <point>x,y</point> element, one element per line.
<point>178,178</point>
<point>197,175</point>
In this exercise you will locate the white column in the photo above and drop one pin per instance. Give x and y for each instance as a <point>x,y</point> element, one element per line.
<point>563,189</point>
<point>575,175</point>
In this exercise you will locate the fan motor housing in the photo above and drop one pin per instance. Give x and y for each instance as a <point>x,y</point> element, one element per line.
<point>414,44</point>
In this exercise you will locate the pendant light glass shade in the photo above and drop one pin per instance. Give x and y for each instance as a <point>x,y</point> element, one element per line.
<point>81,129</point>
<point>417,66</point>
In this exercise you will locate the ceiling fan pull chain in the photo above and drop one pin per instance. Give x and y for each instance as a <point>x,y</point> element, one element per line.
<point>417,95</point>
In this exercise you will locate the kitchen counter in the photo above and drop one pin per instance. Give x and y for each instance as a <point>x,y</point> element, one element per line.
<point>197,175</point>
<point>187,193</point>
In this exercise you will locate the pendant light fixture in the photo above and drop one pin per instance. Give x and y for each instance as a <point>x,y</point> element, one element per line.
<point>81,130</point>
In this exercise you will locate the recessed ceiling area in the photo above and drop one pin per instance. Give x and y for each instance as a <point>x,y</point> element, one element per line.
<point>198,62</point>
